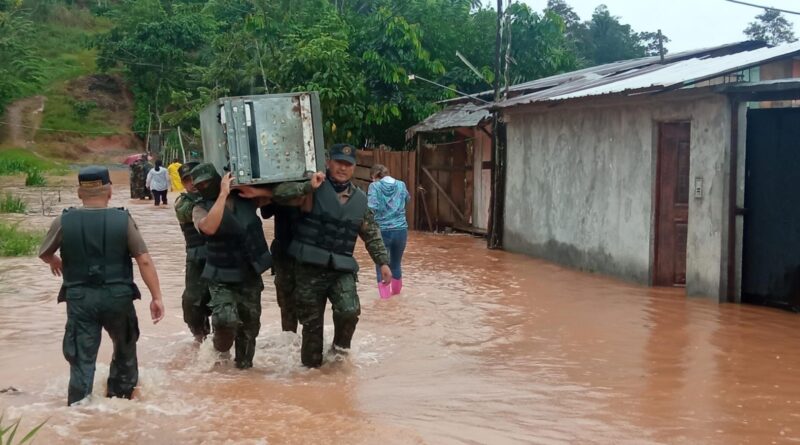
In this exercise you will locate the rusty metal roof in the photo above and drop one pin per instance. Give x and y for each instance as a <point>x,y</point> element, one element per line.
<point>645,78</point>
<point>453,116</point>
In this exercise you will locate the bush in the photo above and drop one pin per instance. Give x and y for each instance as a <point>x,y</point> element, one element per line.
<point>16,242</point>
<point>16,160</point>
<point>83,108</point>
<point>12,204</point>
<point>35,178</point>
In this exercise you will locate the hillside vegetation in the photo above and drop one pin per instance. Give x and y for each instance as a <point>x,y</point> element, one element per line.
<point>176,55</point>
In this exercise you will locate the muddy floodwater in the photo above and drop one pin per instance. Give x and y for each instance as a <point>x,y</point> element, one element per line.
<point>482,347</point>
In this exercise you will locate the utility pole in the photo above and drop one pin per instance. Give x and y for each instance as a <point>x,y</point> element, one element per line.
<point>661,45</point>
<point>494,239</point>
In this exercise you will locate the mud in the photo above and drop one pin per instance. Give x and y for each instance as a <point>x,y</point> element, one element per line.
<point>481,347</point>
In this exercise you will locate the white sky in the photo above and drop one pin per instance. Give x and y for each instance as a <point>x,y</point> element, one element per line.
<point>690,24</point>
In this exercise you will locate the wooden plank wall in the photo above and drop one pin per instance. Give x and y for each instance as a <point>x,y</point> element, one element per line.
<point>402,165</point>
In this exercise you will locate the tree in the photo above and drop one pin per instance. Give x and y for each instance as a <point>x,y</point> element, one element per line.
<point>771,27</point>
<point>22,67</point>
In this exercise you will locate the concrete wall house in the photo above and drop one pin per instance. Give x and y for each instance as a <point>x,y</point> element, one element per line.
<point>679,171</point>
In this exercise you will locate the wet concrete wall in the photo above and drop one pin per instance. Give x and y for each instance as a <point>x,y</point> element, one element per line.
<point>581,178</point>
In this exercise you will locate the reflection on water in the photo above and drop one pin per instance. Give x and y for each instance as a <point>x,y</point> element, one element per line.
<point>481,347</point>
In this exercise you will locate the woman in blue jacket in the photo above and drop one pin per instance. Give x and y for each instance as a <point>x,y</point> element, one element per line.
<point>387,199</point>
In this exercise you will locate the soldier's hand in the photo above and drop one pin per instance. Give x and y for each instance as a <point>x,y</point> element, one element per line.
<point>225,186</point>
<point>386,274</point>
<point>156,310</point>
<point>317,179</point>
<point>56,266</point>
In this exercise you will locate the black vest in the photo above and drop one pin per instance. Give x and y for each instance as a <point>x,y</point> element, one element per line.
<point>94,247</point>
<point>327,236</point>
<point>239,248</point>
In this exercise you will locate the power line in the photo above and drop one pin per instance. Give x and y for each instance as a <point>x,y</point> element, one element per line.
<point>8,124</point>
<point>763,7</point>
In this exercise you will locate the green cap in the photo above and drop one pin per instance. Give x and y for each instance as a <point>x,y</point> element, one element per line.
<point>204,172</point>
<point>93,176</point>
<point>186,169</point>
<point>343,152</point>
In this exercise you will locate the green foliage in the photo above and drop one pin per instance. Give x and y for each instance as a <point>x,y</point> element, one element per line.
<point>16,242</point>
<point>16,160</point>
<point>34,178</point>
<point>82,108</point>
<point>12,204</point>
<point>21,68</point>
<point>771,27</point>
<point>177,55</point>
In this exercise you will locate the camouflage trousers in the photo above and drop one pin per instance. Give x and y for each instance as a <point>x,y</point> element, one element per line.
<point>283,269</point>
<point>89,311</point>
<point>195,300</point>
<point>236,317</point>
<point>314,285</point>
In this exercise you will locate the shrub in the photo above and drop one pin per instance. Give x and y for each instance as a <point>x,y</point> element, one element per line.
<point>83,108</point>
<point>35,178</point>
<point>12,204</point>
<point>16,242</point>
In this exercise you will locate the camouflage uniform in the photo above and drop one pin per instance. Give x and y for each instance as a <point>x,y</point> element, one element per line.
<point>331,275</point>
<point>282,264</point>
<point>237,256</point>
<point>196,295</point>
<point>138,180</point>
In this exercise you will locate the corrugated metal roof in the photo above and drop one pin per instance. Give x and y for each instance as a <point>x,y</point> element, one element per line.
<point>653,77</point>
<point>613,68</point>
<point>454,116</point>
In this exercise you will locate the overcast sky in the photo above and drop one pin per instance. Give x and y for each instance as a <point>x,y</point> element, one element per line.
<point>690,24</point>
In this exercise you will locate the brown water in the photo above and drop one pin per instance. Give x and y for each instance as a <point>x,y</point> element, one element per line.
<point>482,347</point>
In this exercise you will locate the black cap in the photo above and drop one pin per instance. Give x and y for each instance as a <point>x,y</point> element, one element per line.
<point>186,169</point>
<point>93,176</point>
<point>343,152</point>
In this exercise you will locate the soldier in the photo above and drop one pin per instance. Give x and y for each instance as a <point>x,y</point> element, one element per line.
<point>237,256</point>
<point>97,243</point>
<point>288,197</point>
<point>138,178</point>
<point>325,237</point>
<point>195,296</point>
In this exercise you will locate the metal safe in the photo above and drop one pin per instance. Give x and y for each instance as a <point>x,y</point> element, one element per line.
<point>264,139</point>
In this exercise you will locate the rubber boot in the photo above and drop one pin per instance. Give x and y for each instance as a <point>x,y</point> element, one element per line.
<point>397,286</point>
<point>311,349</point>
<point>343,330</point>
<point>385,291</point>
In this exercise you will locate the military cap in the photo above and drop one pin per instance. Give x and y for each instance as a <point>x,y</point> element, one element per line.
<point>186,169</point>
<point>93,176</point>
<point>204,172</point>
<point>343,152</point>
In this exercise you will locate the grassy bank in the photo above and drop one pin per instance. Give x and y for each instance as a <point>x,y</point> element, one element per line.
<point>17,160</point>
<point>18,242</point>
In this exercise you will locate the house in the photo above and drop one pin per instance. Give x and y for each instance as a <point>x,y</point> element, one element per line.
<point>679,171</point>
<point>453,150</point>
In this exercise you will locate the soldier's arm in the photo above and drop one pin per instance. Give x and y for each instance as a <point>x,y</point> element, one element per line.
<point>138,250</point>
<point>371,234</point>
<point>50,244</point>
<point>210,223</point>
<point>291,193</point>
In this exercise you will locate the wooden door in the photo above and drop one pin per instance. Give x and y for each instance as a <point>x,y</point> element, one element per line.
<point>672,204</point>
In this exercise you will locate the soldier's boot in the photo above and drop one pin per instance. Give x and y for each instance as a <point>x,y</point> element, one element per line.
<point>245,350</point>
<point>288,320</point>
<point>223,338</point>
<point>311,349</point>
<point>343,329</point>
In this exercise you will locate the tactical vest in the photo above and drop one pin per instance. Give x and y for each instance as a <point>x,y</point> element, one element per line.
<point>327,236</point>
<point>195,242</point>
<point>239,248</point>
<point>285,218</point>
<point>94,247</point>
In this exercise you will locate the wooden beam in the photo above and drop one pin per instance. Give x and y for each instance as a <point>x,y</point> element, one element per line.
<point>444,193</point>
